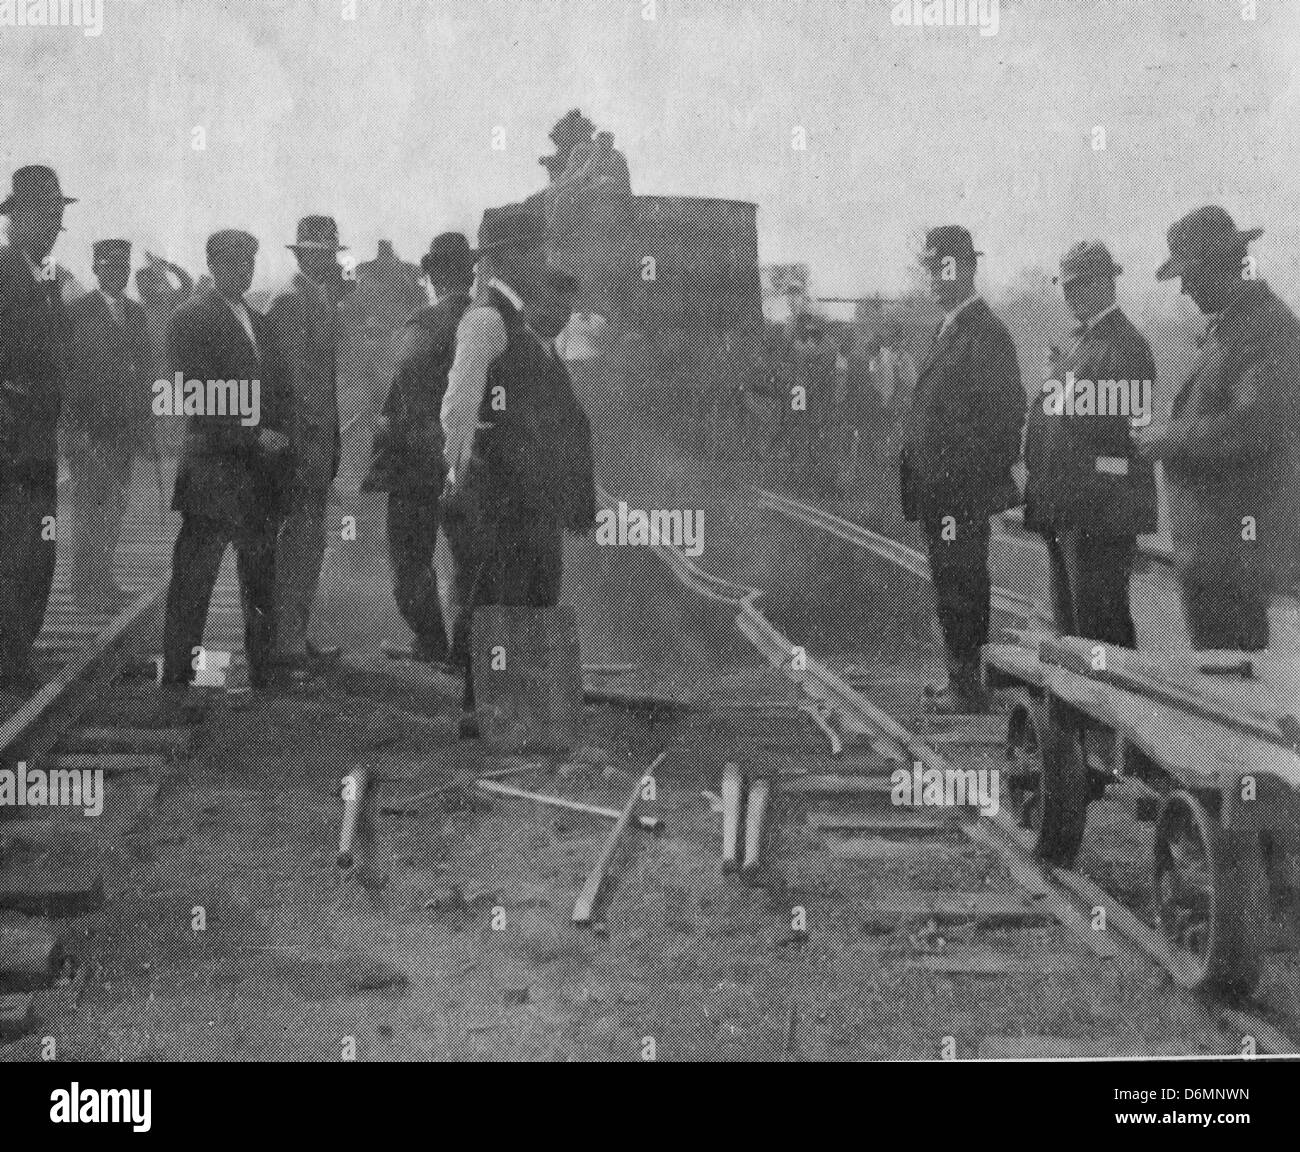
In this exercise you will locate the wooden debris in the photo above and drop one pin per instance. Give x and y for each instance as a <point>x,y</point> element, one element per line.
<point>412,803</point>
<point>15,1015</point>
<point>584,909</point>
<point>731,803</point>
<point>843,785</point>
<point>51,893</point>
<point>886,820</point>
<point>111,764</point>
<point>755,820</point>
<point>30,955</point>
<point>649,823</point>
<point>352,831</point>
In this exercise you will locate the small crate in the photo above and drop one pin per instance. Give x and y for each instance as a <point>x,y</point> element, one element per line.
<point>528,678</point>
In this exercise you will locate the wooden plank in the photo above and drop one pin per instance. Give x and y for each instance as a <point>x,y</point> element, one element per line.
<point>110,763</point>
<point>16,1017</point>
<point>351,831</point>
<point>30,955</point>
<point>51,893</point>
<point>886,820</point>
<point>649,823</point>
<point>731,802</point>
<point>984,909</point>
<point>584,910</point>
<point>156,740</point>
<point>838,785</point>
<point>755,820</point>
<point>991,962</point>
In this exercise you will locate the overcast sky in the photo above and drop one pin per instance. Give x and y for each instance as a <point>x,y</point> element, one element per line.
<point>386,121</point>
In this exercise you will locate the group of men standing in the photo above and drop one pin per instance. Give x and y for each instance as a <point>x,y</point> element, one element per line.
<point>1230,449</point>
<point>481,436</point>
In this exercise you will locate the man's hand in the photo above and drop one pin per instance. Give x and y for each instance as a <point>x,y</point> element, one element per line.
<point>272,442</point>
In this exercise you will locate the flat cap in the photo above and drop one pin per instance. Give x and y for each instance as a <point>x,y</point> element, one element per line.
<point>111,250</point>
<point>948,241</point>
<point>511,226</point>
<point>231,241</point>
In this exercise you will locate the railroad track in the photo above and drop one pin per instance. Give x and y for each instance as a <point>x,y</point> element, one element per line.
<point>92,730</point>
<point>1070,898</point>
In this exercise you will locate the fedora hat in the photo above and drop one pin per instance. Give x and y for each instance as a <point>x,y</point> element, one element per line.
<point>450,249</point>
<point>34,185</point>
<point>511,226</point>
<point>1200,236</point>
<point>948,241</point>
<point>317,234</point>
<point>1087,258</point>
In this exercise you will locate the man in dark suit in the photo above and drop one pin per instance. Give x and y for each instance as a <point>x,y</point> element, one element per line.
<point>407,458</point>
<point>502,502</point>
<point>106,412</point>
<point>1230,448</point>
<point>1088,492</point>
<point>32,338</point>
<point>304,324</point>
<point>233,476</point>
<point>961,439</point>
<point>565,424</point>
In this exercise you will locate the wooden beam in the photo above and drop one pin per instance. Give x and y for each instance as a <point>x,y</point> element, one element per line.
<point>755,818</point>
<point>355,786</point>
<point>584,909</point>
<point>29,954</point>
<point>649,823</point>
<point>731,804</point>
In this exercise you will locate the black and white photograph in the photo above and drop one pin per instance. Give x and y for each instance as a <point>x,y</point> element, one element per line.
<point>629,531</point>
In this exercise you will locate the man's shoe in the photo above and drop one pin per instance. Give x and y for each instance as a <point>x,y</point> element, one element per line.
<point>329,654</point>
<point>415,651</point>
<point>469,726</point>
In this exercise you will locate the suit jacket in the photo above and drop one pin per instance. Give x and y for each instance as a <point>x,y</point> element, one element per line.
<point>108,398</point>
<point>33,335</point>
<point>1230,448</point>
<point>1082,469</point>
<point>407,452</point>
<point>563,423</point>
<point>305,329</point>
<point>963,429</point>
<point>224,474</point>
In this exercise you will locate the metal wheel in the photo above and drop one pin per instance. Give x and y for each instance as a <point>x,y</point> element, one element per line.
<point>1207,886</point>
<point>1024,770</point>
<point>1064,792</point>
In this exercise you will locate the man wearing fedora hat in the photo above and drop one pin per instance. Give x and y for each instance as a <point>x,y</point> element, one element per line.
<point>407,460</point>
<point>1229,448</point>
<point>961,439</point>
<point>32,349</point>
<point>502,505</point>
<point>1087,492</point>
<point>304,325</point>
<point>106,418</point>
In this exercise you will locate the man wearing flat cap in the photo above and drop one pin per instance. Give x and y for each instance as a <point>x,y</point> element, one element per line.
<point>961,438</point>
<point>32,349</point>
<point>304,324</point>
<point>234,476</point>
<point>106,419</point>
<point>407,460</point>
<point>1229,448</point>
<point>503,502</point>
<point>1088,492</point>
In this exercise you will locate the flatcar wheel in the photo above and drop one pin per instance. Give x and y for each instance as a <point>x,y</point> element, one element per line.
<point>1024,770</point>
<point>1063,798</point>
<point>1207,892</point>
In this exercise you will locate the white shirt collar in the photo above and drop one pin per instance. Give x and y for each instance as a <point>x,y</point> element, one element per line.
<point>1102,315</point>
<point>506,291</point>
<point>37,270</point>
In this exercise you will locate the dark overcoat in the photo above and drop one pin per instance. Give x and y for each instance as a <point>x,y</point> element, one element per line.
<point>1083,470</point>
<point>962,433</point>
